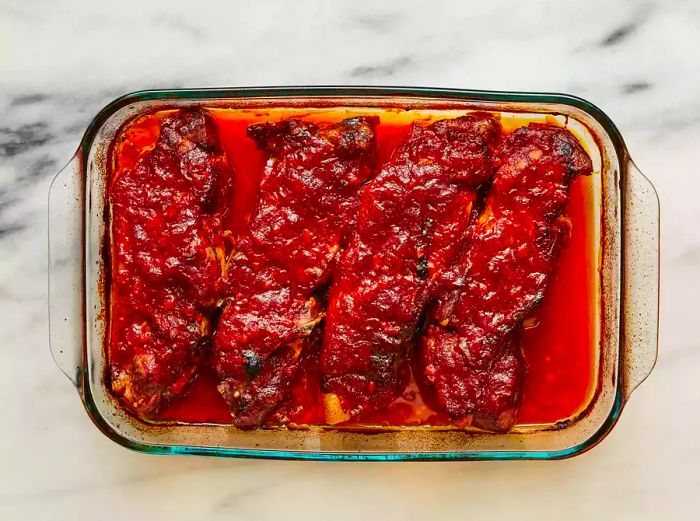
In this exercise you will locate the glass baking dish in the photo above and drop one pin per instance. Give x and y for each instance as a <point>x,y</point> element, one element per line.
<point>628,256</point>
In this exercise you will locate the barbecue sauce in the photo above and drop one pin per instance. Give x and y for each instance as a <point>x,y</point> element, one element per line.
<point>559,338</point>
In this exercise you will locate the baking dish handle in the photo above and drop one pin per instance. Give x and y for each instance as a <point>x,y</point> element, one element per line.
<point>66,269</point>
<point>640,279</point>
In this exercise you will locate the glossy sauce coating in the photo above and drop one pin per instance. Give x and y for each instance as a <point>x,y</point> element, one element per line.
<point>167,208</point>
<point>307,206</point>
<point>411,221</point>
<point>470,355</point>
<point>560,347</point>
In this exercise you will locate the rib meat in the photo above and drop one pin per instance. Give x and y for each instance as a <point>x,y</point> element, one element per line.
<point>411,220</point>
<point>308,202</point>
<point>167,236</point>
<point>470,355</point>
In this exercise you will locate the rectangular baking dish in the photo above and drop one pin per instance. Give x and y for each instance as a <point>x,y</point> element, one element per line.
<point>628,297</point>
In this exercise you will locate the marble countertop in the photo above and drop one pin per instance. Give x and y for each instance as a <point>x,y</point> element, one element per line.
<point>60,62</point>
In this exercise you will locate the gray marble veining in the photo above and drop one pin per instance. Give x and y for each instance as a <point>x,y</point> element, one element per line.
<point>60,62</point>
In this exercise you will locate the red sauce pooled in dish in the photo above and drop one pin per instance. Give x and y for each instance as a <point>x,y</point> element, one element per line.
<point>559,347</point>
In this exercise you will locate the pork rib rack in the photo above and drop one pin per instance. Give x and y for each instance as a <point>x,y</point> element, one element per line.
<point>470,355</point>
<point>307,206</point>
<point>168,244</point>
<point>411,220</point>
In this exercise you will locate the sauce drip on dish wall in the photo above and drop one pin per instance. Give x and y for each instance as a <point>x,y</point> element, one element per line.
<point>560,347</point>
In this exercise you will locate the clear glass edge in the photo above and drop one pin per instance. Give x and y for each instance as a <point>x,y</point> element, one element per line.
<point>64,215</point>
<point>641,275</point>
<point>359,91</point>
<point>228,452</point>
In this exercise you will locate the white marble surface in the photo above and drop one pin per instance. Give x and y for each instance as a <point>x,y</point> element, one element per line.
<point>61,61</point>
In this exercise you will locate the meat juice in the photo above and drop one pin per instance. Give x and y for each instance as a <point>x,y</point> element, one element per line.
<point>559,338</point>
